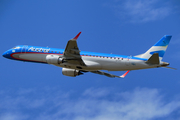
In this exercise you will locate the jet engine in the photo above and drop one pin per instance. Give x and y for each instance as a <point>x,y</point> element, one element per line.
<point>71,72</point>
<point>54,59</point>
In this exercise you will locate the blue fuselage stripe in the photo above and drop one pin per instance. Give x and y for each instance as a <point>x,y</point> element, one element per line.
<point>46,50</point>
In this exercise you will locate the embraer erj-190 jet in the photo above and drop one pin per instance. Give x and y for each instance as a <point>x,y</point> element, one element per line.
<point>75,62</point>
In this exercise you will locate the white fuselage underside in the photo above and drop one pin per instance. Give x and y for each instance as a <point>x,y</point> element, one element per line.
<point>92,63</point>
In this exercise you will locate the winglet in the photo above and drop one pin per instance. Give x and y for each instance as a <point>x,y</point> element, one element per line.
<point>75,38</point>
<point>122,76</point>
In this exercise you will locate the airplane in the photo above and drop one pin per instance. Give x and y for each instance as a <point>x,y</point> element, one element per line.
<point>75,62</point>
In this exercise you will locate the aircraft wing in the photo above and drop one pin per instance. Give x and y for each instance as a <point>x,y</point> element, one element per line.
<point>72,52</point>
<point>110,75</point>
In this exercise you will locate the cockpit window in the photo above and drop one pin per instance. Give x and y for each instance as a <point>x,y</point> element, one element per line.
<point>17,47</point>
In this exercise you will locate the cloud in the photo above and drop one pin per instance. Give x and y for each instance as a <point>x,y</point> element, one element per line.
<point>138,11</point>
<point>13,116</point>
<point>91,104</point>
<point>96,92</point>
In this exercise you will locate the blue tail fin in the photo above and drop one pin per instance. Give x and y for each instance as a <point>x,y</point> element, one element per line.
<point>160,48</point>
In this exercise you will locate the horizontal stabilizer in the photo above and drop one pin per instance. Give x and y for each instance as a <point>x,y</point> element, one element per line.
<point>170,68</point>
<point>154,59</point>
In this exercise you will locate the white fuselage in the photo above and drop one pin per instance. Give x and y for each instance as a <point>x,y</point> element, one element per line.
<point>92,62</point>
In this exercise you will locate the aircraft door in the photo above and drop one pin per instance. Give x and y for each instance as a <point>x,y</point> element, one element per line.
<point>24,49</point>
<point>128,60</point>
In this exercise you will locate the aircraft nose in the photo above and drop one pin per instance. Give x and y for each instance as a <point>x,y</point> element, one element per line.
<point>4,54</point>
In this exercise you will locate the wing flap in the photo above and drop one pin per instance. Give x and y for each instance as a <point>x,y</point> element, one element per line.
<point>110,75</point>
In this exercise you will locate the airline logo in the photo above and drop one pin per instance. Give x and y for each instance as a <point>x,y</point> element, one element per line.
<point>38,49</point>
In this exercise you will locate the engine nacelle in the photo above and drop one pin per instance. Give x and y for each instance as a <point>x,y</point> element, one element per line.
<point>71,72</point>
<point>54,59</point>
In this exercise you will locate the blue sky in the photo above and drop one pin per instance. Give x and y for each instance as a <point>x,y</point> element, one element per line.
<point>36,91</point>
